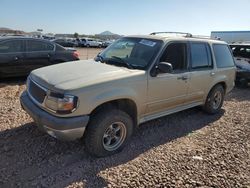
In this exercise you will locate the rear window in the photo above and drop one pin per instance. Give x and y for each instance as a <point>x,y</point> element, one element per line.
<point>223,56</point>
<point>201,56</point>
<point>35,46</point>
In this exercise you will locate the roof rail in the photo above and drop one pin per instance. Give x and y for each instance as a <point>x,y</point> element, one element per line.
<point>177,33</point>
<point>205,37</point>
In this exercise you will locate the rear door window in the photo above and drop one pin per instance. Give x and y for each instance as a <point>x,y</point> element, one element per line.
<point>223,56</point>
<point>200,56</point>
<point>36,46</point>
<point>12,46</point>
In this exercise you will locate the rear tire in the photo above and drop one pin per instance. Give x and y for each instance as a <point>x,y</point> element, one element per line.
<point>214,100</point>
<point>108,132</point>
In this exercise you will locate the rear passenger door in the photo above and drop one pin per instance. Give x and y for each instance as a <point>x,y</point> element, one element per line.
<point>11,57</point>
<point>38,54</point>
<point>201,71</point>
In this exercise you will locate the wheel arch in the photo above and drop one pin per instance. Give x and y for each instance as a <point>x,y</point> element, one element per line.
<point>222,83</point>
<point>124,104</point>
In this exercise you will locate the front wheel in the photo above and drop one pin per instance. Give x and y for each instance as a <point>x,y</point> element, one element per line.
<point>108,132</point>
<point>214,100</point>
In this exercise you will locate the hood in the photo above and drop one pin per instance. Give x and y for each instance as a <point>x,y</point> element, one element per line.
<point>76,74</point>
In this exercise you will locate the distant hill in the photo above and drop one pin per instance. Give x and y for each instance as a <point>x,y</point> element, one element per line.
<point>107,35</point>
<point>5,28</point>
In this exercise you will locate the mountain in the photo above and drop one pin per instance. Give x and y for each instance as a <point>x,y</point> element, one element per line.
<point>107,33</point>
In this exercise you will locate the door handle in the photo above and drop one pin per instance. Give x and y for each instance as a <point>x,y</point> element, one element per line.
<point>184,77</point>
<point>16,58</point>
<point>212,73</point>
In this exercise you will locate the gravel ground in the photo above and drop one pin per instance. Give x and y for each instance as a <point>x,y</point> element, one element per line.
<point>88,53</point>
<point>186,149</point>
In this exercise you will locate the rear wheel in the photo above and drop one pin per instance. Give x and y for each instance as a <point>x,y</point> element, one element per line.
<point>108,132</point>
<point>87,45</point>
<point>214,100</point>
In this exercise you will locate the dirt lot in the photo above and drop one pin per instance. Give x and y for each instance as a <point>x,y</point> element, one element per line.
<point>186,149</point>
<point>88,53</point>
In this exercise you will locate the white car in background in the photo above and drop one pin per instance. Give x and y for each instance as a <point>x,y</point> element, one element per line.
<point>87,42</point>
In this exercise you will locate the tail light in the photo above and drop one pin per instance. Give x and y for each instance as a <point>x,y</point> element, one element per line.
<point>76,54</point>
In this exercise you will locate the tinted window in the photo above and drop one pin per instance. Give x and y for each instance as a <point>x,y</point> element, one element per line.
<point>223,56</point>
<point>34,46</point>
<point>11,46</point>
<point>201,56</point>
<point>175,54</point>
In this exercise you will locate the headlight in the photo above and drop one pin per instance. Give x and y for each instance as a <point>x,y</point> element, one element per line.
<point>60,103</point>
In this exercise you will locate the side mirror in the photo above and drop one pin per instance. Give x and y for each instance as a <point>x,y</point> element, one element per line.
<point>99,57</point>
<point>165,67</point>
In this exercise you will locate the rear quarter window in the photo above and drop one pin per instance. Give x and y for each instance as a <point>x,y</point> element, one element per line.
<point>223,56</point>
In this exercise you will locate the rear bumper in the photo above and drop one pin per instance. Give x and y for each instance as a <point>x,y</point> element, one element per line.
<point>63,128</point>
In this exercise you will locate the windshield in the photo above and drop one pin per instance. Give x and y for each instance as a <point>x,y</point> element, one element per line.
<point>133,53</point>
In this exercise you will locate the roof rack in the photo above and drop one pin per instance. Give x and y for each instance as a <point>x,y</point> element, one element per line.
<point>177,33</point>
<point>204,37</point>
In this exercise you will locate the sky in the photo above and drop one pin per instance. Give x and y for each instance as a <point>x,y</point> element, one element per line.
<point>125,17</point>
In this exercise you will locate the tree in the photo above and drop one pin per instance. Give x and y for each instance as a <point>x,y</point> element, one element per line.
<point>76,35</point>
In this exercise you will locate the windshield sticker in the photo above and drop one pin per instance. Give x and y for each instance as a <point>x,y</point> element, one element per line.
<point>147,42</point>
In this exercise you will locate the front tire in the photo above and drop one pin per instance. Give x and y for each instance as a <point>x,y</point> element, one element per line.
<point>214,100</point>
<point>108,132</point>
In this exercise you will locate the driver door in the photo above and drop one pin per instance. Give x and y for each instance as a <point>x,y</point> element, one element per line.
<point>168,91</point>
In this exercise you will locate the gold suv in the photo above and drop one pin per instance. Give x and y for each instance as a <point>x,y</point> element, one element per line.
<point>134,80</point>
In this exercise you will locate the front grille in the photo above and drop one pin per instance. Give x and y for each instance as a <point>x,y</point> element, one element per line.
<point>36,92</point>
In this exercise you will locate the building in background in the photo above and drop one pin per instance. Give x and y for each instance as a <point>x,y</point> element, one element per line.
<point>231,36</point>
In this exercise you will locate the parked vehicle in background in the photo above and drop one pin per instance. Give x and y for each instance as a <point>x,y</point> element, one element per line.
<point>48,37</point>
<point>65,42</point>
<point>241,54</point>
<point>20,55</point>
<point>134,80</point>
<point>106,43</point>
<point>87,42</point>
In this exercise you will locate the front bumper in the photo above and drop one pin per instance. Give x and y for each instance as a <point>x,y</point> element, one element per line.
<point>242,74</point>
<point>63,128</point>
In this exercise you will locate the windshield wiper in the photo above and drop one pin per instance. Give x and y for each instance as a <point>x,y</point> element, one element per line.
<point>122,61</point>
